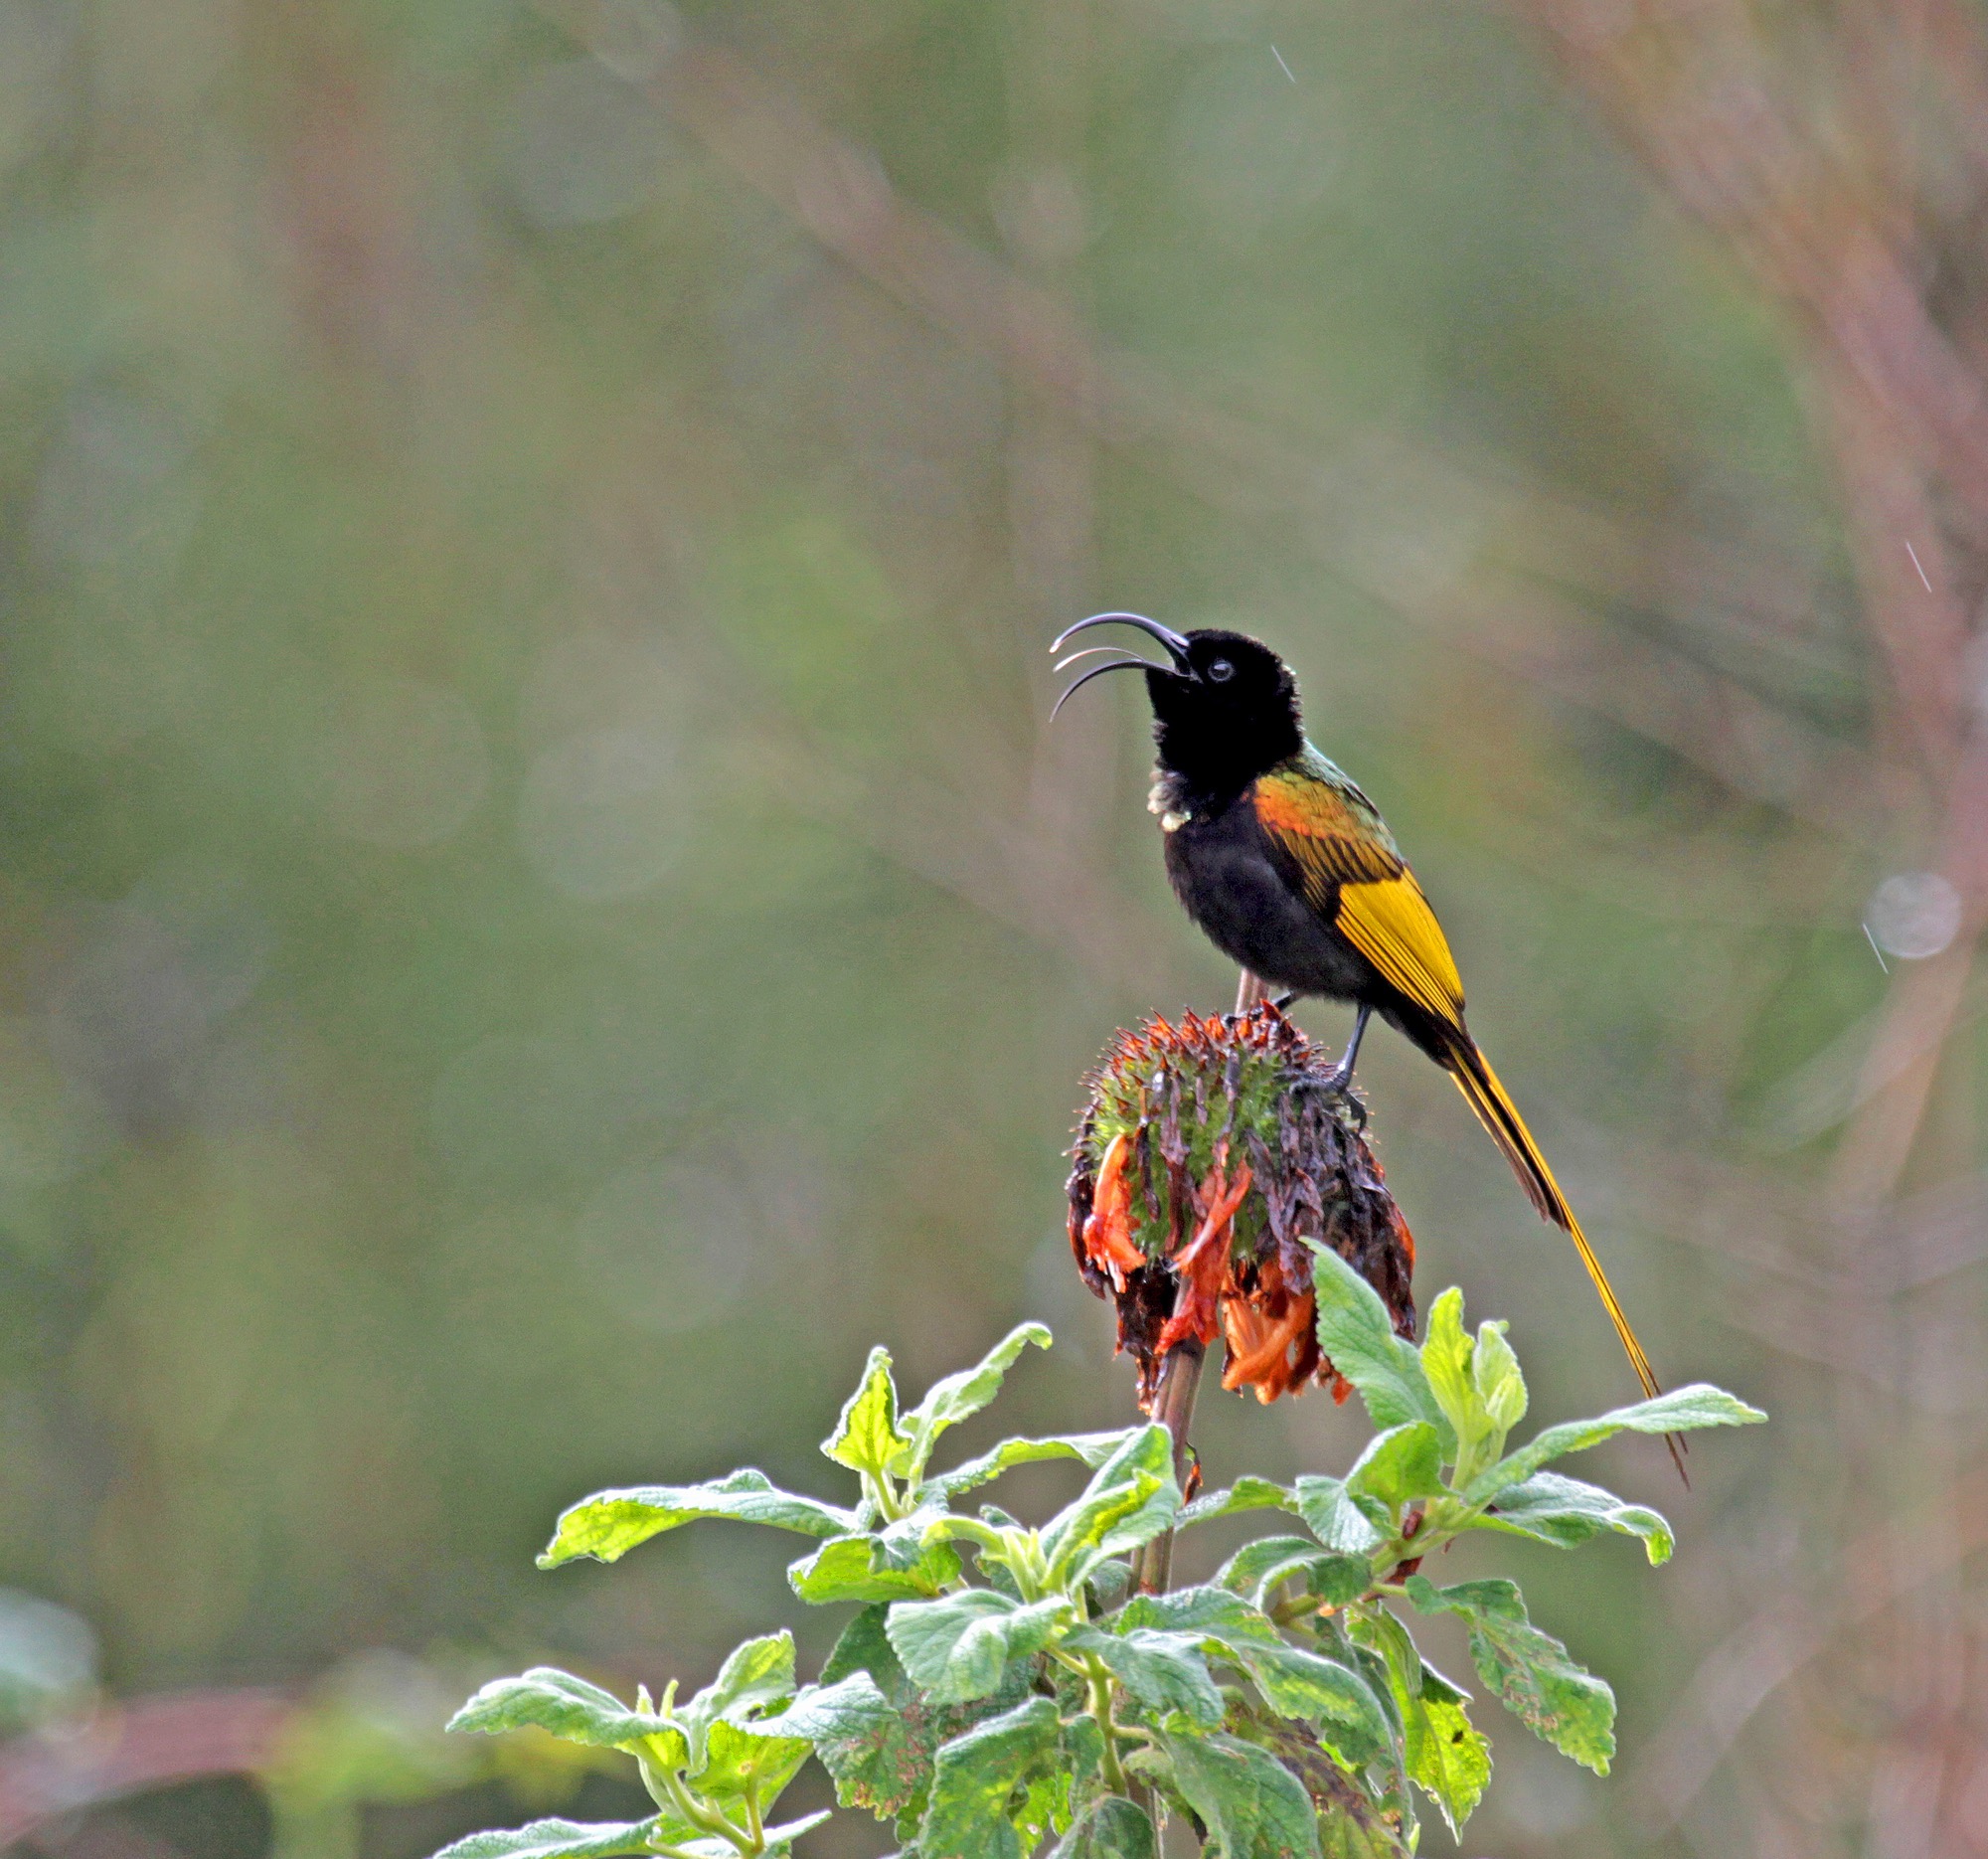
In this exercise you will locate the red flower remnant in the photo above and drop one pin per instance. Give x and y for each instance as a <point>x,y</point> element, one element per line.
<point>1203,1270</point>
<point>1108,1238</point>
<point>1207,1159</point>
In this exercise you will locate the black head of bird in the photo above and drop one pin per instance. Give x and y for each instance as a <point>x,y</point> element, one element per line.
<point>1225,706</point>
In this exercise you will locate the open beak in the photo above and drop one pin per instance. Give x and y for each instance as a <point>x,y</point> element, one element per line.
<point>1176,647</point>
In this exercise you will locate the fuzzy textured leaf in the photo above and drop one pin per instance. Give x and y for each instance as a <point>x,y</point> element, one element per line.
<point>1320,1690</point>
<point>563,1839</point>
<point>1398,1467</point>
<point>1130,1500</point>
<point>1295,1682</point>
<point>1334,1518</point>
<point>976,1773</point>
<point>1355,1331</point>
<point>1679,1410</point>
<point>1093,1448</point>
<point>1109,1829</point>
<point>867,1437</point>
<point>1567,1512</point>
<point>1258,1569</point>
<point>1557,1700</point>
<point>1161,1671</point>
<point>1245,1494</point>
<point>851,1726</point>
<point>608,1524</point>
<point>956,1649</point>
<point>756,1675</point>
<point>840,1570</point>
<point>1447,1755</point>
<point>1252,1805</point>
<point>546,1697</point>
<point>959,1397</point>
<point>743,1758</point>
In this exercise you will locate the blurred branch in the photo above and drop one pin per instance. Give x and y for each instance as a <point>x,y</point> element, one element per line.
<point>1350,512</point>
<point>1761,1655</point>
<point>1823,199</point>
<point>126,1749</point>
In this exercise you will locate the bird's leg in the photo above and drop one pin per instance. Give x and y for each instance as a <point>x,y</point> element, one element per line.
<point>1250,989</point>
<point>1284,1001</point>
<point>1341,1075</point>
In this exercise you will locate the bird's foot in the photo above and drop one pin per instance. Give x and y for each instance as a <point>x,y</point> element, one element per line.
<point>1336,1082</point>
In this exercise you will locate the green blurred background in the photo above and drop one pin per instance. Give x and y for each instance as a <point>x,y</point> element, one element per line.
<point>540,914</point>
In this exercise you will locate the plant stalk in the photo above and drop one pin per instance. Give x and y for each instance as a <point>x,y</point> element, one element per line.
<point>1178,1383</point>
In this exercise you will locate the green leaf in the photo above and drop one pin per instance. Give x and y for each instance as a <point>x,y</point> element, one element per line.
<point>546,1697</point>
<point>866,1438</point>
<point>1476,1382</point>
<point>1130,1500</point>
<point>1446,1354</point>
<point>1244,1494</point>
<point>1679,1410</point>
<point>1161,1671</point>
<point>840,1570</point>
<point>1447,1755</point>
<point>746,1757</point>
<point>756,1675</point>
<point>1252,1805</point>
<point>1207,1611</point>
<point>1567,1512</point>
<point>1258,1569</point>
<point>1335,1520</point>
<point>1354,1329</point>
<point>1397,1467</point>
<point>610,1523</point>
<point>975,1777</point>
<point>780,1839</point>
<point>1293,1681</point>
<point>563,1840</point>
<point>957,1648</point>
<point>1108,1829</point>
<point>1530,1670</point>
<point>1500,1383</point>
<point>1298,1683</point>
<point>1093,1448</point>
<point>861,1738</point>
<point>954,1397</point>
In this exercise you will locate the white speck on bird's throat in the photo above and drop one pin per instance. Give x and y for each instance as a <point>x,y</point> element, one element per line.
<point>1162,802</point>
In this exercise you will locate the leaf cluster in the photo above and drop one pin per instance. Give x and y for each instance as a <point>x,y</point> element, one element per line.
<point>1001,1689</point>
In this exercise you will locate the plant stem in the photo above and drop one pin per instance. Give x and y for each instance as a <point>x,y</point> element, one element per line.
<point>1100,1695</point>
<point>712,1822</point>
<point>1172,1407</point>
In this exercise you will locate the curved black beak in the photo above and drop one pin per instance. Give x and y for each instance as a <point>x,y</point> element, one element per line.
<point>1174,644</point>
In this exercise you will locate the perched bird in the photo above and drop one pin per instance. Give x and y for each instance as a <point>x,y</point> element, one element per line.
<point>1291,871</point>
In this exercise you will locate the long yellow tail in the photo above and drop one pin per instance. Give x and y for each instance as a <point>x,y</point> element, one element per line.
<point>1497,1112</point>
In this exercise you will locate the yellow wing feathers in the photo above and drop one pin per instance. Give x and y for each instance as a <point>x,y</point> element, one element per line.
<point>1391,925</point>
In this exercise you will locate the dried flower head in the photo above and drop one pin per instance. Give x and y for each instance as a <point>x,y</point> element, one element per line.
<point>1207,1155</point>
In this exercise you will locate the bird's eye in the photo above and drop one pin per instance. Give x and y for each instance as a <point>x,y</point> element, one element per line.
<point>1220,671</point>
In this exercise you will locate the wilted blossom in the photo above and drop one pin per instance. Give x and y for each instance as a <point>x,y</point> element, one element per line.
<point>1208,1155</point>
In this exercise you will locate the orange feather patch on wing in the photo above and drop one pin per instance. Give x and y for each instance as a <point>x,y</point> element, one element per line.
<point>1317,826</point>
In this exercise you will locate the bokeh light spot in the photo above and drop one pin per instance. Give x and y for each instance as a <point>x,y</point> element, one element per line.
<point>1913,915</point>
